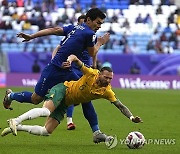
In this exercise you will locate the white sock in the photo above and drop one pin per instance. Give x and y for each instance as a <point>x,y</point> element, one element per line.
<point>35,130</point>
<point>69,120</point>
<point>32,114</point>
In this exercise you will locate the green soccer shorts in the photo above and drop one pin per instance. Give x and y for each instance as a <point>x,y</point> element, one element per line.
<point>57,95</point>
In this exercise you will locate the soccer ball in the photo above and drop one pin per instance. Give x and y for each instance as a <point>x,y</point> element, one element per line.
<point>135,140</point>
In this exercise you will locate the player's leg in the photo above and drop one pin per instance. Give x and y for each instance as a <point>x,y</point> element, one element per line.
<point>45,111</point>
<point>41,89</point>
<point>54,119</point>
<point>70,124</point>
<point>32,114</point>
<point>91,116</point>
<point>50,76</point>
<point>53,99</point>
<point>23,96</point>
<point>29,97</point>
<point>57,113</point>
<point>46,130</point>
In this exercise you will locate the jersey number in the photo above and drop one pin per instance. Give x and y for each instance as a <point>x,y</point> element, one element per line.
<point>68,36</point>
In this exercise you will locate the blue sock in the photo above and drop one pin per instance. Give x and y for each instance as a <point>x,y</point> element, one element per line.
<point>95,128</point>
<point>70,110</point>
<point>21,97</point>
<point>90,115</point>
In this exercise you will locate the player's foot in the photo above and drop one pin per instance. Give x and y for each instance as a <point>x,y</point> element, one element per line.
<point>7,101</point>
<point>71,126</point>
<point>111,141</point>
<point>6,131</point>
<point>12,124</point>
<point>99,137</point>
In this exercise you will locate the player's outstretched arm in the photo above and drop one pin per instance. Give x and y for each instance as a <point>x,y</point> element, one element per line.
<point>72,58</point>
<point>127,112</point>
<point>49,31</point>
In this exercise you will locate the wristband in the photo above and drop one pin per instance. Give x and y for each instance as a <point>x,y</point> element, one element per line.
<point>131,118</point>
<point>81,65</point>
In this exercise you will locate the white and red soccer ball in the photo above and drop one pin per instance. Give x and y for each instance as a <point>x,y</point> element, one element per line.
<point>135,140</point>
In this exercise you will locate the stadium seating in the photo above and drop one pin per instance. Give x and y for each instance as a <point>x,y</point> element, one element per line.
<point>141,33</point>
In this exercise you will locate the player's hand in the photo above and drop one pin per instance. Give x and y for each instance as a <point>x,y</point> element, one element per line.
<point>103,39</point>
<point>65,65</point>
<point>137,119</point>
<point>71,58</point>
<point>26,37</point>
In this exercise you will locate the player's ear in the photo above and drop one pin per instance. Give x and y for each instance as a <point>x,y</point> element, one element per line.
<point>88,19</point>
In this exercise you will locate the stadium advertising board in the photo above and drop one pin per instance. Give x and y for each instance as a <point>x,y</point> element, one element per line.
<point>2,80</point>
<point>146,82</point>
<point>22,79</point>
<point>119,81</point>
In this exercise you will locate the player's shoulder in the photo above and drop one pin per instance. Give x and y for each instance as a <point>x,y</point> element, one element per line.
<point>109,89</point>
<point>90,70</point>
<point>69,25</point>
<point>68,28</point>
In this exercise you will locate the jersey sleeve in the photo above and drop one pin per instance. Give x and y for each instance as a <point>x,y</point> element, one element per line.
<point>67,29</point>
<point>87,70</point>
<point>110,95</point>
<point>91,39</point>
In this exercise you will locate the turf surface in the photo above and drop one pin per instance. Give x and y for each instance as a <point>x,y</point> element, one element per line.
<point>159,110</point>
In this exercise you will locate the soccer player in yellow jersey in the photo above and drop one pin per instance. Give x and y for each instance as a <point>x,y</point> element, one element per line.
<point>92,85</point>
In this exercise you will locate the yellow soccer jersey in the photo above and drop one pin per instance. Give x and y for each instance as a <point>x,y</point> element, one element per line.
<point>85,89</point>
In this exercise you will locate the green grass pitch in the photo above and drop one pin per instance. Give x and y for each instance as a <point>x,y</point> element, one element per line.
<point>159,110</point>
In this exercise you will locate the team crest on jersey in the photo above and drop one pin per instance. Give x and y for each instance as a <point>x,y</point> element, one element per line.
<point>94,38</point>
<point>52,95</point>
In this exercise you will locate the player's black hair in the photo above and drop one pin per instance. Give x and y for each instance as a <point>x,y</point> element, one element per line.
<point>109,69</point>
<point>95,13</point>
<point>81,17</point>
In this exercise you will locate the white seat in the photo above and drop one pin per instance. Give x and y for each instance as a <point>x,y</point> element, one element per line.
<point>110,13</point>
<point>34,28</point>
<point>172,8</point>
<point>61,11</point>
<point>70,12</point>
<point>20,10</point>
<point>105,26</point>
<point>55,17</point>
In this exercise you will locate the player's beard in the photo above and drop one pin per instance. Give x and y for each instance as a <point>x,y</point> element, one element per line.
<point>104,83</point>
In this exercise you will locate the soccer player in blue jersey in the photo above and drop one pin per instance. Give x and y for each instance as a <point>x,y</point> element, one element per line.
<point>78,38</point>
<point>86,59</point>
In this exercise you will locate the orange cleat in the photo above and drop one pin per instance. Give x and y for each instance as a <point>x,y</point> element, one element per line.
<point>71,126</point>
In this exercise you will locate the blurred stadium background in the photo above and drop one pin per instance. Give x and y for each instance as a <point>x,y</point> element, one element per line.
<point>145,37</point>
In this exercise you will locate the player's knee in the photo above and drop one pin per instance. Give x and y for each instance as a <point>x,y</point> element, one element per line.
<point>36,99</point>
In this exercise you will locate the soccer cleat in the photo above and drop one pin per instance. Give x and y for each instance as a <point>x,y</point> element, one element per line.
<point>71,126</point>
<point>99,137</point>
<point>12,125</point>
<point>6,131</point>
<point>6,101</point>
<point>111,142</point>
